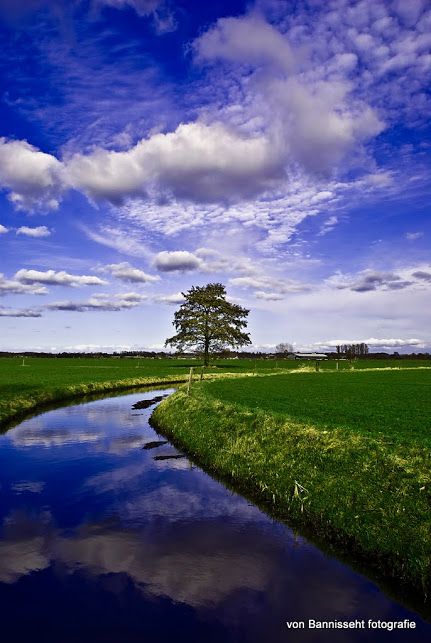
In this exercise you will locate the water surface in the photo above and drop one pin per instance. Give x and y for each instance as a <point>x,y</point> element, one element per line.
<point>106,535</point>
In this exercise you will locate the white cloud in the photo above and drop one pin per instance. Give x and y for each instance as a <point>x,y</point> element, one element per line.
<point>423,275</point>
<point>15,287</point>
<point>269,288</point>
<point>328,225</point>
<point>125,272</point>
<point>377,280</point>
<point>100,303</point>
<point>38,436</point>
<point>32,177</point>
<point>19,312</point>
<point>248,40</point>
<point>3,229</point>
<point>319,123</point>
<point>175,298</point>
<point>410,11</point>
<point>37,232</point>
<point>373,342</point>
<point>123,240</point>
<point>197,161</point>
<point>54,278</point>
<point>413,236</point>
<point>268,296</point>
<point>293,99</point>
<point>31,486</point>
<point>142,7</point>
<point>178,260</point>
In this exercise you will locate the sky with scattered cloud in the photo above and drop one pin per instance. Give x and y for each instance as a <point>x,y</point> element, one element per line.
<point>280,148</point>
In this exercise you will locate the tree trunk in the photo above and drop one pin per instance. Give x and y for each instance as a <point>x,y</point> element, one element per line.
<point>206,353</point>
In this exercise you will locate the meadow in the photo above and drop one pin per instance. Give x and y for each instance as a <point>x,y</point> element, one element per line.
<point>345,456</point>
<point>29,383</point>
<point>395,405</point>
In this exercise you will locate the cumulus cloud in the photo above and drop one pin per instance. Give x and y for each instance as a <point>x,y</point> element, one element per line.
<point>369,280</point>
<point>422,275</point>
<point>268,296</point>
<point>125,272</point>
<point>100,303</point>
<point>15,287</point>
<point>19,312</point>
<point>37,232</point>
<point>269,288</point>
<point>54,278</point>
<point>178,260</point>
<point>319,123</point>
<point>175,298</point>
<point>248,40</point>
<point>201,162</point>
<point>32,177</point>
<point>373,280</point>
<point>3,229</point>
<point>196,161</point>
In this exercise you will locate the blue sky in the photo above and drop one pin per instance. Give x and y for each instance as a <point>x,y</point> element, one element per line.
<point>150,145</point>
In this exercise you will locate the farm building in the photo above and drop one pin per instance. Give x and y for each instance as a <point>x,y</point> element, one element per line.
<point>311,356</point>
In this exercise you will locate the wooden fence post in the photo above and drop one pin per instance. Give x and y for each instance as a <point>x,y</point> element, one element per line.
<point>190,380</point>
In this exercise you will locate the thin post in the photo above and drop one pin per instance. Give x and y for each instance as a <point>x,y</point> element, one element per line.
<point>338,364</point>
<point>317,366</point>
<point>189,383</point>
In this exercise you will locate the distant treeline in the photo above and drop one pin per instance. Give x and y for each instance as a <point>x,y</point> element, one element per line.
<point>354,351</point>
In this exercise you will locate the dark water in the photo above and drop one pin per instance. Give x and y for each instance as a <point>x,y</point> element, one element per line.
<point>104,540</point>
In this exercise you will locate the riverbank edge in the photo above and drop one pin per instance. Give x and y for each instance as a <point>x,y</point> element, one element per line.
<point>178,417</point>
<point>22,407</point>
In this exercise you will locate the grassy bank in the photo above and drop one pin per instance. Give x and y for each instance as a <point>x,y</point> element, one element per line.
<point>31,384</point>
<point>345,455</point>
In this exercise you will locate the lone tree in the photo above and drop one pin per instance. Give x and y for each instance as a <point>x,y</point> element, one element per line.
<point>206,322</point>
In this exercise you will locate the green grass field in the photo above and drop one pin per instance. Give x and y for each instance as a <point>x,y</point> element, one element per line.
<point>393,404</point>
<point>346,455</point>
<point>45,380</point>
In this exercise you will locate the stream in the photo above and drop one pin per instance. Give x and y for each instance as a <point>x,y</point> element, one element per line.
<point>110,534</point>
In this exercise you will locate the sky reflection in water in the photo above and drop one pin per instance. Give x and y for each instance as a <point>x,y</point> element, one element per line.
<point>100,542</point>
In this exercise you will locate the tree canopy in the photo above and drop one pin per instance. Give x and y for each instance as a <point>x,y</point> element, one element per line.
<point>284,347</point>
<point>206,322</point>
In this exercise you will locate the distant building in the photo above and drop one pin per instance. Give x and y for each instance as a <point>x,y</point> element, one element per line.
<point>311,356</point>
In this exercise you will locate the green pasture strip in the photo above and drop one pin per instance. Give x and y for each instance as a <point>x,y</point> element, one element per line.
<point>351,486</point>
<point>389,404</point>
